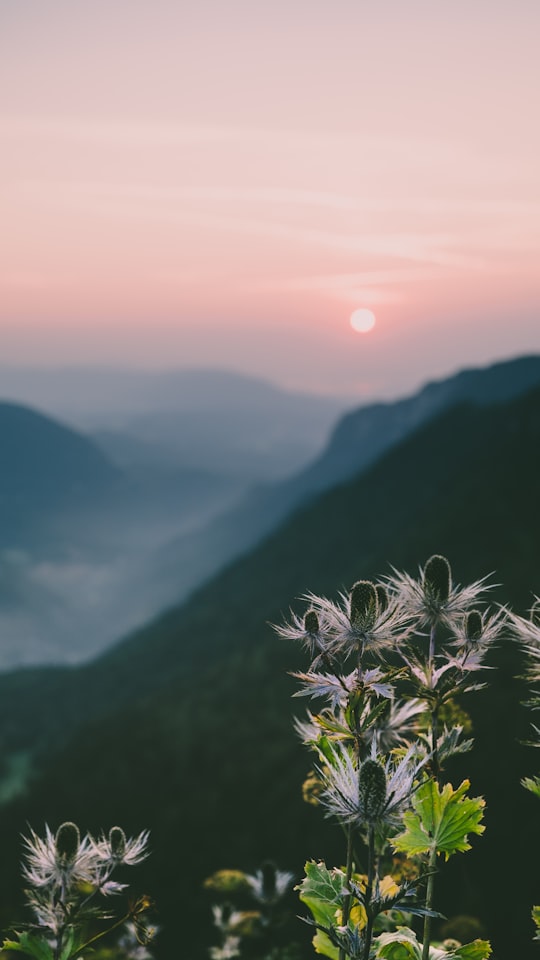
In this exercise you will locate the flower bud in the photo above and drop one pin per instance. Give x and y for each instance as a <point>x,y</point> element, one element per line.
<point>311,622</point>
<point>473,625</point>
<point>372,790</point>
<point>117,841</point>
<point>67,841</point>
<point>364,605</point>
<point>438,577</point>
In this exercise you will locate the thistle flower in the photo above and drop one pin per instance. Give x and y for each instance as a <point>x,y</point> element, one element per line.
<point>371,792</point>
<point>434,598</point>
<point>59,860</point>
<point>269,884</point>
<point>365,620</point>
<point>116,849</point>
<point>308,630</point>
<point>337,689</point>
<point>477,632</point>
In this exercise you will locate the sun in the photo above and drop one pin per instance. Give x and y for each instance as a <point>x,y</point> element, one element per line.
<point>362,320</point>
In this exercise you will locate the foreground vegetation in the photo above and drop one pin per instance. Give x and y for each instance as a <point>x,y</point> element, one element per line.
<point>388,663</point>
<point>165,731</point>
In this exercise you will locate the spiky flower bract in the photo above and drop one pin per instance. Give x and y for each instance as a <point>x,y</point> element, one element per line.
<point>67,875</point>
<point>269,884</point>
<point>118,849</point>
<point>476,633</point>
<point>527,632</point>
<point>57,860</point>
<point>354,792</point>
<point>434,598</point>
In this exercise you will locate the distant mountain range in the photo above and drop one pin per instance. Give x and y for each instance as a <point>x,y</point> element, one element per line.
<point>94,542</point>
<point>227,424</point>
<point>82,513</point>
<point>359,438</point>
<point>185,727</point>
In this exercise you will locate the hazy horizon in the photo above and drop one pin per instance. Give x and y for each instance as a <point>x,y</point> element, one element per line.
<point>28,379</point>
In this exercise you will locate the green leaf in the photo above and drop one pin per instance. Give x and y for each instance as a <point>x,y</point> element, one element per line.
<point>532,784</point>
<point>536,919</point>
<point>477,950</point>
<point>399,945</point>
<point>403,945</point>
<point>322,885</point>
<point>440,821</point>
<point>69,947</point>
<point>30,944</point>
<point>322,890</point>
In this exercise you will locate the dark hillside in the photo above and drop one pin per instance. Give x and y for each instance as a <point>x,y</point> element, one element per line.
<point>360,438</point>
<point>46,468</point>
<point>186,726</point>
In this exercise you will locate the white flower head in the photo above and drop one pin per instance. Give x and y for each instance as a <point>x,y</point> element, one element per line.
<point>269,884</point>
<point>371,791</point>
<point>478,631</point>
<point>117,849</point>
<point>365,620</point>
<point>60,859</point>
<point>309,630</point>
<point>434,598</point>
<point>338,689</point>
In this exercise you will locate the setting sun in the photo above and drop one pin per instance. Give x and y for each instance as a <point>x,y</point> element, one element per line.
<point>362,320</point>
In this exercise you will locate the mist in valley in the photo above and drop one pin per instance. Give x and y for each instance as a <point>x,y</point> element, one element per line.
<point>107,472</point>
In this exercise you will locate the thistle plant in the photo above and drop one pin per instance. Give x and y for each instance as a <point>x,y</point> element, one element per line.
<point>386,661</point>
<point>443,653</point>
<point>70,884</point>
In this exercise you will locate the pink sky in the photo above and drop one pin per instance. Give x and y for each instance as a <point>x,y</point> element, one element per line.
<point>223,183</point>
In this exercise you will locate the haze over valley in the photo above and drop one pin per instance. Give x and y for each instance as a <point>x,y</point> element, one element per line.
<point>164,481</point>
<point>118,465</point>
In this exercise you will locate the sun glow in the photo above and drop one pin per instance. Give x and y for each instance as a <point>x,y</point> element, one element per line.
<point>362,320</point>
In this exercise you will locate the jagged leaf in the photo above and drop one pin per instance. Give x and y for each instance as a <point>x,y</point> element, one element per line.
<point>30,944</point>
<point>322,891</point>
<point>441,820</point>
<point>532,784</point>
<point>477,950</point>
<point>403,945</point>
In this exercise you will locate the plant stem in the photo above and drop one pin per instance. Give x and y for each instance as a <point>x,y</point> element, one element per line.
<point>430,889</point>
<point>429,903</point>
<point>103,933</point>
<point>435,766</point>
<point>348,876</point>
<point>369,891</point>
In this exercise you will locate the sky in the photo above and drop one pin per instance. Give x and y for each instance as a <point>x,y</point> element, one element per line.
<point>221,184</point>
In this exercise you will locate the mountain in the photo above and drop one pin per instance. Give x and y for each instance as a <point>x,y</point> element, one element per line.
<point>185,727</point>
<point>94,556</point>
<point>214,421</point>
<point>73,529</point>
<point>47,470</point>
<point>359,438</point>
